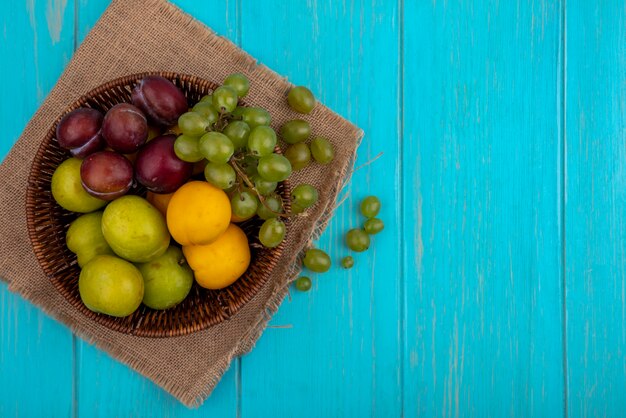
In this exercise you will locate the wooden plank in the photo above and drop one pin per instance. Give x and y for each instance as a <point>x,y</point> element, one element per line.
<point>339,354</point>
<point>36,368</point>
<point>596,204</point>
<point>107,387</point>
<point>481,157</point>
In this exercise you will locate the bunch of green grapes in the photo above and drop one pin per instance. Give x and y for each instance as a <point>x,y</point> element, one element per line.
<point>239,148</point>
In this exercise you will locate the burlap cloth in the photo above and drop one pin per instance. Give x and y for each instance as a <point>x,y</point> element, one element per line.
<point>153,35</point>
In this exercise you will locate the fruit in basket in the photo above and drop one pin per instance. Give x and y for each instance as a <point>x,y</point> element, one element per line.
<point>238,132</point>
<point>161,101</point>
<point>207,111</point>
<point>261,141</point>
<point>79,132</point>
<point>106,175</point>
<point>225,99</point>
<point>303,196</point>
<point>159,201</point>
<point>301,99</point>
<point>135,230</point>
<point>125,128</point>
<point>216,147</point>
<point>222,176</point>
<point>167,279</point>
<point>274,167</point>
<point>255,116</point>
<point>192,124</point>
<point>187,149</point>
<point>222,262</point>
<point>271,207</point>
<point>272,232</point>
<point>239,83</point>
<point>198,213</point>
<point>68,190</point>
<point>110,285</point>
<point>158,168</point>
<point>84,238</point>
<point>243,206</point>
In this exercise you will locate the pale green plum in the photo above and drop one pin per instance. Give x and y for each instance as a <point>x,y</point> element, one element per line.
<point>135,230</point>
<point>84,238</point>
<point>110,285</point>
<point>68,190</point>
<point>167,279</point>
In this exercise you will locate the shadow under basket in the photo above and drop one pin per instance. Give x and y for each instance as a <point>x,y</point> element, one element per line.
<point>48,223</point>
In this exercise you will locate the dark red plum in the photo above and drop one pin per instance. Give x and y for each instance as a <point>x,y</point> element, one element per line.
<point>106,175</point>
<point>160,99</point>
<point>79,132</point>
<point>125,128</point>
<point>158,168</point>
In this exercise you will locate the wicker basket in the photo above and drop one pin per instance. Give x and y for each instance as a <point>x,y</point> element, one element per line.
<point>48,223</point>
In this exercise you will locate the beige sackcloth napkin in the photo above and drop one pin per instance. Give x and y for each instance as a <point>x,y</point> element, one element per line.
<point>153,35</point>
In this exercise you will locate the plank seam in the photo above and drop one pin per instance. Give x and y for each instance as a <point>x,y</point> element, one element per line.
<point>563,195</point>
<point>402,291</point>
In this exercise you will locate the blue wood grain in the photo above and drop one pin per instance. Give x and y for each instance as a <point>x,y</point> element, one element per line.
<point>335,351</point>
<point>596,207</point>
<point>481,153</point>
<point>132,394</point>
<point>36,368</point>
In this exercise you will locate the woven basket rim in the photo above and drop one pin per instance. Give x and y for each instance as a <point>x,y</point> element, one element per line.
<point>53,271</point>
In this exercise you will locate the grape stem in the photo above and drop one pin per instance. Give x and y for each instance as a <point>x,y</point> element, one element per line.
<point>249,183</point>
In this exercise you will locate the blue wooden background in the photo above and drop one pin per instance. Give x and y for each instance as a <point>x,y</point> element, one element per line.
<point>499,285</point>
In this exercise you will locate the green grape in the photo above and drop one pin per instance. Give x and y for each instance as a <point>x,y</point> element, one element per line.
<point>207,111</point>
<point>316,260</point>
<point>238,132</point>
<point>216,147</point>
<point>192,124</point>
<point>244,204</point>
<point>301,99</point>
<point>270,207</point>
<point>249,165</point>
<point>238,112</point>
<point>357,240</point>
<point>295,131</point>
<point>225,99</point>
<point>322,150</point>
<point>272,232</point>
<point>298,155</point>
<point>207,98</point>
<point>220,175</point>
<point>373,226</point>
<point>263,186</point>
<point>274,167</point>
<point>370,206</point>
<point>347,262</point>
<point>303,196</point>
<point>186,148</point>
<point>239,83</point>
<point>255,116</point>
<point>262,141</point>
<point>303,284</point>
